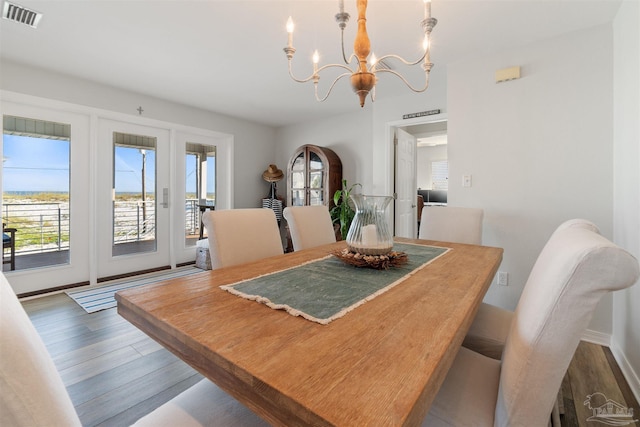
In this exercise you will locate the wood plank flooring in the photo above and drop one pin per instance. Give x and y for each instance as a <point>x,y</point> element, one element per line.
<point>115,374</point>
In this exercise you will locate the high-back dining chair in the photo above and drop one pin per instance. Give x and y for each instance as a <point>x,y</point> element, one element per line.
<point>451,224</point>
<point>309,226</point>
<point>34,395</point>
<point>490,327</point>
<point>237,236</point>
<point>575,269</point>
<point>32,391</point>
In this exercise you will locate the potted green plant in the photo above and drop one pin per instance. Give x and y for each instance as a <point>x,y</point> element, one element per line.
<point>342,213</point>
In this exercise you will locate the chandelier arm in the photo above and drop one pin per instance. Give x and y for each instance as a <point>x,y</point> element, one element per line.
<point>404,61</point>
<point>315,74</point>
<point>426,84</point>
<point>297,79</point>
<point>330,87</point>
<point>334,65</point>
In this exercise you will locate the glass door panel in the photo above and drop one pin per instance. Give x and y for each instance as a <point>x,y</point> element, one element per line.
<point>200,188</point>
<point>315,162</point>
<point>36,175</point>
<point>134,204</point>
<point>297,197</point>
<point>315,179</point>
<point>315,197</point>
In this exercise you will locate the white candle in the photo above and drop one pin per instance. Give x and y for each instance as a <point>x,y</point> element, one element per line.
<point>316,59</point>
<point>290,32</point>
<point>369,236</point>
<point>341,5</point>
<point>427,9</point>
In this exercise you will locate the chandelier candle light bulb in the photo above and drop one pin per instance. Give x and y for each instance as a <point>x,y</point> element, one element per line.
<point>290,32</point>
<point>363,79</point>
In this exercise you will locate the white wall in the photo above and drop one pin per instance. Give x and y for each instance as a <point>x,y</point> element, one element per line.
<point>539,149</point>
<point>391,110</point>
<point>254,144</point>
<point>626,190</point>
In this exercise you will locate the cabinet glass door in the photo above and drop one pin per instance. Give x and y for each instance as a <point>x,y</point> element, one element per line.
<point>298,181</point>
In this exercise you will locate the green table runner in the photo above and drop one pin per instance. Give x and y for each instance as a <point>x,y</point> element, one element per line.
<point>326,289</point>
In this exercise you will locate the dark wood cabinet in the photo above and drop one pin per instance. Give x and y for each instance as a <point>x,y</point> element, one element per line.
<point>313,175</point>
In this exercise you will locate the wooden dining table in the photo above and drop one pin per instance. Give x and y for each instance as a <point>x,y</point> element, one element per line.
<point>381,364</point>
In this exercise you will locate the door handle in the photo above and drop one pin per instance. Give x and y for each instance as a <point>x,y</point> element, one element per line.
<point>165,197</point>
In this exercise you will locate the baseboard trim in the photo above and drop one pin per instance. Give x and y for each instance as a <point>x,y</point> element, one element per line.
<point>596,337</point>
<point>627,370</point>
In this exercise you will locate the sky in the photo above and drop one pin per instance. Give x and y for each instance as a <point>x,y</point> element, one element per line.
<point>129,170</point>
<point>35,164</point>
<point>42,165</point>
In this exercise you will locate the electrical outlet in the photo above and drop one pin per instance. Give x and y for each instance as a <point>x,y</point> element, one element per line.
<point>503,278</point>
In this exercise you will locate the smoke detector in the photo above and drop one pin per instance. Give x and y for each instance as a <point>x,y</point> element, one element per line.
<point>21,14</point>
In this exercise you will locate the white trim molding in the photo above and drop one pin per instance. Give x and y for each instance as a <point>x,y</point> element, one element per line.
<point>627,370</point>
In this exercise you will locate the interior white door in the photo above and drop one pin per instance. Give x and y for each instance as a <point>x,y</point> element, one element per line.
<point>405,185</point>
<point>133,198</point>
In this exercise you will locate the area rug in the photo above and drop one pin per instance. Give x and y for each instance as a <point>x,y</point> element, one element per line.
<point>326,289</point>
<point>102,297</point>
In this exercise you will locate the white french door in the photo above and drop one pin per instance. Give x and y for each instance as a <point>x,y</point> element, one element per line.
<point>405,181</point>
<point>132,198</point>
<point>45,236</point>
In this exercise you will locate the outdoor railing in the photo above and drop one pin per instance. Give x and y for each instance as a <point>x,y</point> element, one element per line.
<point>41,226</point>
<point>134,221</point>
<point>192,217</point>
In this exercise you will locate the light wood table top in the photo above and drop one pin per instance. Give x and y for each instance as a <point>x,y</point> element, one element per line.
<point>379,365</point>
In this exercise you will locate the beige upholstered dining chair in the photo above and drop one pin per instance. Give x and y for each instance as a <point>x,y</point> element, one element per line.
<point>451,224</point>
<point>34,395</point>
<point>237,236</point>
<point>309,226</point>
<point>490,328</point>
<point>575,269</point>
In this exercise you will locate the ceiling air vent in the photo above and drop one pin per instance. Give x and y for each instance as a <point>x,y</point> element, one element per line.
<point>20,14</point>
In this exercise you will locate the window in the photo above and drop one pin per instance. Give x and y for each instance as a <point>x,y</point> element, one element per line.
<point>440,175</point>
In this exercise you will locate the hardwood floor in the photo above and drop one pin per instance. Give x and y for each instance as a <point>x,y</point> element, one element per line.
<point>115,374</point>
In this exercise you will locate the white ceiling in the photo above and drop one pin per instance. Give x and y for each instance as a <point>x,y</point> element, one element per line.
<point>226,56</point>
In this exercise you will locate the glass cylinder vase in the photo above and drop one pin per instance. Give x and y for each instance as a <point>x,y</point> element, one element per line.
<point>369,232</point>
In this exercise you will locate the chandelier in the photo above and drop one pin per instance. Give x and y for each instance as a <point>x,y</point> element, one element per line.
<point>363,76</point>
